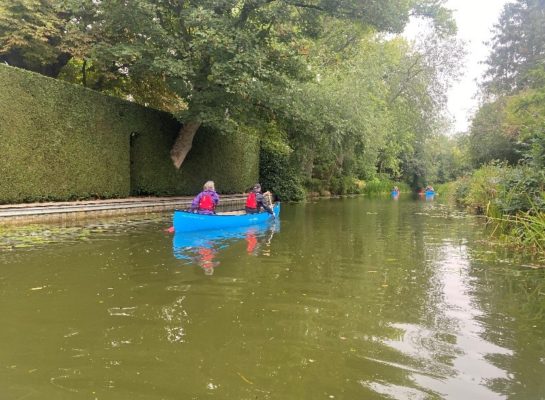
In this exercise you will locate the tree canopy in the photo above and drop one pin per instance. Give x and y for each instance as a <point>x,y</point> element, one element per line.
<point>329,79</point>
<point>510,123</point>
<point>518,46</point>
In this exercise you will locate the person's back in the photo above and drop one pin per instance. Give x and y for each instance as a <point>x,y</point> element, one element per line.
<point>206,201</point>
<point>255,201</point>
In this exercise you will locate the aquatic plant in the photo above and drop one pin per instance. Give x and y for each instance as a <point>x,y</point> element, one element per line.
<point>524,229</point>
<point>511,198</point>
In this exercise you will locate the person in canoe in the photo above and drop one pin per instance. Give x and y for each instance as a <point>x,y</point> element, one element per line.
<point>206,201</point>
<point>256,201</point>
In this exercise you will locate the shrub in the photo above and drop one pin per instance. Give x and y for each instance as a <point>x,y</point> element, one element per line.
<point>276,172</point>
<point>345,185</point>
<point>512,198</point>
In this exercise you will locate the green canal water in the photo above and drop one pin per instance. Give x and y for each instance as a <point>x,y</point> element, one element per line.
<point>350,298</point>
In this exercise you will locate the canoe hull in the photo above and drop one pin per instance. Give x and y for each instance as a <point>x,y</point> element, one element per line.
<point>189,222</point>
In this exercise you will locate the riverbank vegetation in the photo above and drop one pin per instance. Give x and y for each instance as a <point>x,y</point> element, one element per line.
<point>505,146</point>
<point>512,199</point>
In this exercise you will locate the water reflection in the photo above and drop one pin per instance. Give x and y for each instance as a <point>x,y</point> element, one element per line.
<point>445,358</point>
<point>202,247</point>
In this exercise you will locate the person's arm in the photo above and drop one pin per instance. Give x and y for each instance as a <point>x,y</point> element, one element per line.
<point>261,202</point>
<point>195,202</point>
<point>215,198</point>
<point>268,209</point>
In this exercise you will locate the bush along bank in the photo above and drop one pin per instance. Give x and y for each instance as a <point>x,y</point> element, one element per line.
<point>294,172</point>
<point>511,198</point>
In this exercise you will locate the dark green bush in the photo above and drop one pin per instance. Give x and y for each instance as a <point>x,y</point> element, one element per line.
<point>522,189</point>
<point>277,174</point>
<point>315,185</point>
<point>502,190</point>
<point>344,185</point>
<point>60,141</point>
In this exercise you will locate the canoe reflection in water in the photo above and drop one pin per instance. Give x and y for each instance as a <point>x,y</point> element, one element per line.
<point>202,247</point>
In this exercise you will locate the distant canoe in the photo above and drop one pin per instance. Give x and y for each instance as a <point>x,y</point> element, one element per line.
<point>185,221</point>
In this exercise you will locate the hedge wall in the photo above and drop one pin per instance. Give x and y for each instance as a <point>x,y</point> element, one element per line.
<point>60,141</point>
<point>231,161</point>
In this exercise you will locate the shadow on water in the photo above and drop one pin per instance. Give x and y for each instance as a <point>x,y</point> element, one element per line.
<point>202,247</point>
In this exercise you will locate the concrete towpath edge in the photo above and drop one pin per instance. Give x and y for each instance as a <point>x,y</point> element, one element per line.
<point>74,210</point>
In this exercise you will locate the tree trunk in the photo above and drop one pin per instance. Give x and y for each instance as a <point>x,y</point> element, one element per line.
<point>183,142</point>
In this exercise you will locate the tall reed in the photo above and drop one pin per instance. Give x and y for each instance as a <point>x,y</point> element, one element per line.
<point>523,229</point>
<point>383,186</point>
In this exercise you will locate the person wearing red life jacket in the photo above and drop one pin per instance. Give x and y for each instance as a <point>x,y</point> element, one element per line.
<point>206,201</point>
<point>255,201</point>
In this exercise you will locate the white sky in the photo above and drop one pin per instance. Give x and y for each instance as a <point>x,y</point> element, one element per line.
<point>475,20</point>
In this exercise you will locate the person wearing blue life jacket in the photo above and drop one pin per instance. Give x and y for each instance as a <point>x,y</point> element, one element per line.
<point>256,201</point>
<point>430,193</point>
<point>206,201</point>
<point>395,192</point>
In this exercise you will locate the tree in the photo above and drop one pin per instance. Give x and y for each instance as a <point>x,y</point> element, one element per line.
<point>230,62</point>
<point>371,113</point>
<point>41,35</point>
<point>487,141</point>
<point>31,36</point>
<point>525,121</point>
<point>518,46</point>
<point>510,125</point>
<point>233,64</point>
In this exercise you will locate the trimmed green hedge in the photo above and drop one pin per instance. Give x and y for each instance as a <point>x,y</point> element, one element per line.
<point>60,141</point>
<point>231,161</point>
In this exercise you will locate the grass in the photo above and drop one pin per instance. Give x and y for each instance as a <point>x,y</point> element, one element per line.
<point>525,229</point>
<point>377,186</point>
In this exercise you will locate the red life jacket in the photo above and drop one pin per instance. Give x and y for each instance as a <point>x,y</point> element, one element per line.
<point>251,242</point>
<point>206,203</point>
<point>251,201</point>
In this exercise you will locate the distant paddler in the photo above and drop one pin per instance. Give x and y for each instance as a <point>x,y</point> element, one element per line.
<point>430,191</point>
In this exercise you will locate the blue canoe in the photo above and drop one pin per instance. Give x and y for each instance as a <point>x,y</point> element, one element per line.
<point>185,221</point>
